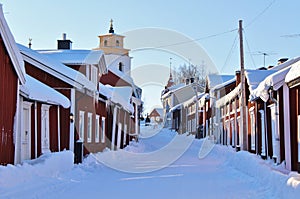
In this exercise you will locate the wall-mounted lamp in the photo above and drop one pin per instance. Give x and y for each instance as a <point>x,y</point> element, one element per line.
<point>71,117</point>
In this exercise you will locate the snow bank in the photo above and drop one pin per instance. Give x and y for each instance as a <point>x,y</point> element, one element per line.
<point>271,177</point>
<point>47,165</point>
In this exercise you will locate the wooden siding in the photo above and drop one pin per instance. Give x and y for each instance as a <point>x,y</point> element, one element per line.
<point>294,112</point>
<point>64,89</point>
<point>8,103</point>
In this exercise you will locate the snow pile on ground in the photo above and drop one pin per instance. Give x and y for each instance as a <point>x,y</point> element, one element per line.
<point>47,165</point>
<point>269,175</point>
<point>222,173</point>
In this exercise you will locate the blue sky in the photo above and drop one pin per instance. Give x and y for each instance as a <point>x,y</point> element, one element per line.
<point>45,21</point>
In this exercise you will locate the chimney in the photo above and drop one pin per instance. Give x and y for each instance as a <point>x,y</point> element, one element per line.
<point>187,81</point>
<point>282,60</point>
<point>237,77</point>
<point>192,80</point>
<point>64,44</point>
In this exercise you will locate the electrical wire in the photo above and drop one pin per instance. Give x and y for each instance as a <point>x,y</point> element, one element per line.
<point>260,14</point>
<point>198,39</point>
<point>233,46</point>
<point>248,47</point>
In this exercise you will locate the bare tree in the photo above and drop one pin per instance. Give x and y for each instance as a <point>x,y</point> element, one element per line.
<point>185,71</point>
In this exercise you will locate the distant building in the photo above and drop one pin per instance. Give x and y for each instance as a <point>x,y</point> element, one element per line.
<point>156,115</point>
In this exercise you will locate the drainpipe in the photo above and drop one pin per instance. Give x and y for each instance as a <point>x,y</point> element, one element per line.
<point>276,157</point>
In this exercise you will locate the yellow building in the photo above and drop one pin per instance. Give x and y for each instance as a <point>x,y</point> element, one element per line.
<point>116,56</point>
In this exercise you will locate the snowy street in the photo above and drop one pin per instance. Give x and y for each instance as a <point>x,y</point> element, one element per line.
<point>222,174</point>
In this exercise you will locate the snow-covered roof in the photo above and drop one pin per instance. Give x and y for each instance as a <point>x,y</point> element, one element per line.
<point>177,107</point>
<point>202,99</point>
<point>230,96</point>
<point>126,78</point>
<point>275,80</point>
<point>11,47</point>
<point>216,79</point>
<point>224,84</point>
<point>254,77</point>
<point>32,90</point>
<point>171,89</point>
<point>182,94</point>
<point>287,63</point>
<point>78,57</point>
<point>193,99</point>
<point>294,73</point>
<point>56,69</point>
<point>121,74</point>
<point>119,95</point>
<point>74,57</point>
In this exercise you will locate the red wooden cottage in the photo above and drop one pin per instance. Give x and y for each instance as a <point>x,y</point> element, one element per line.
<point>84,98</point>
<point>40,120</point>
<point>90,108</point>
<point>12,74</point>
<point>292,117</point>
<point>117,78</point>
<point>156,115</point>
<point>21,135</point>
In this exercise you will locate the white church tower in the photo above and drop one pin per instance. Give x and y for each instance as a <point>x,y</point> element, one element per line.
<point>116,55</point>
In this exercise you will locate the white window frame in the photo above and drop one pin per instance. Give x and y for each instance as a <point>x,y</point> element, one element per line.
<point>87,71</point>
<point>263,133</point>
<point>89,127</point>
<point>103,129</point>
<point>94,74</point>
<point>97,129</point>
<point>81,125</point>
<point>252,118</point>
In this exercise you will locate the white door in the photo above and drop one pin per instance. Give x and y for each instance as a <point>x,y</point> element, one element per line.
<point>45,129</point>
<point>25,134</point>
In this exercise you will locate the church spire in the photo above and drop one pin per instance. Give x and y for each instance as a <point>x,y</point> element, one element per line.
<point>170,66</point>
<point>111,29</point>
<point>170,81</point>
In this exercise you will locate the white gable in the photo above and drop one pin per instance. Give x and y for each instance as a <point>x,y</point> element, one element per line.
<point>11,47</point>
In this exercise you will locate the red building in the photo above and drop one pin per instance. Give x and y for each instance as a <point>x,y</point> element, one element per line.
<point>12,74</point>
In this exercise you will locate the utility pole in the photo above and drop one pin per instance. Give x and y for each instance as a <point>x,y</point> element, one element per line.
<point>243,94</point>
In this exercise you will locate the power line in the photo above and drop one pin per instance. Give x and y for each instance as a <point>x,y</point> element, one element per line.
<point>233,46</point>
<point>248,47</point>
<point>260,14</point>
<point>192,40</point>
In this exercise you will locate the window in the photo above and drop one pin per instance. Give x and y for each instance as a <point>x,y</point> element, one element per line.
<point>94,74</point>
<point>120,66</point>
<point>103,130</point>
<point>89,127</point>
<point>81,125</point>
<point>105,43</point>
<point>252,118</point>
<point>97,129</point>
<point>117,43</point>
